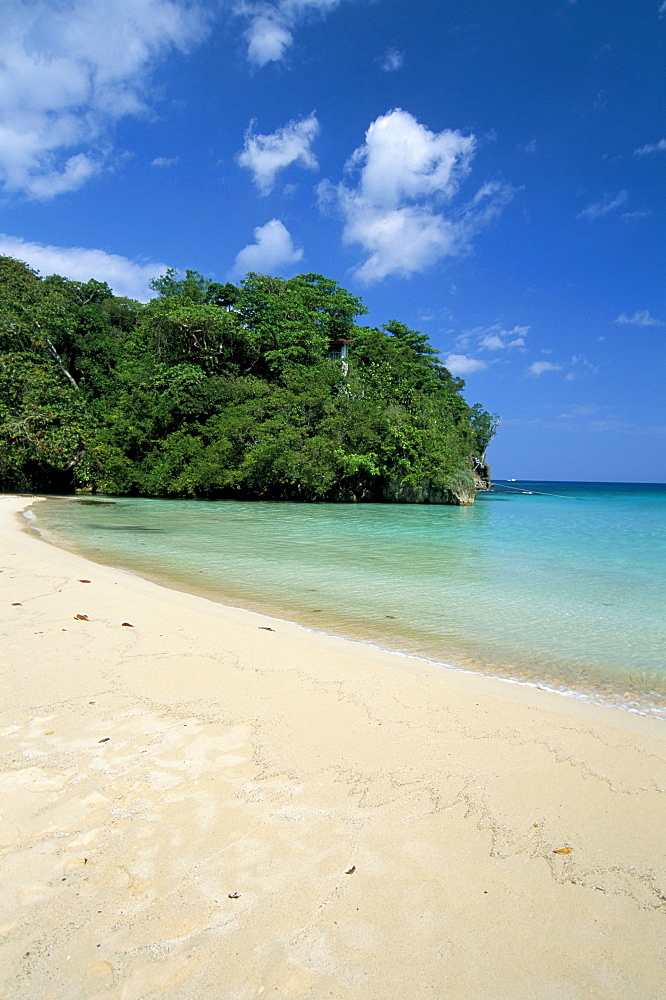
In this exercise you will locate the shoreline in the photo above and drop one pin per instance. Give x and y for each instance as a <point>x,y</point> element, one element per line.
<point>643,702</point>
<point>198,805</point>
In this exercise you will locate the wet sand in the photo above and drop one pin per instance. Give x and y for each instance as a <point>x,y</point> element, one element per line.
<point>198,802</point>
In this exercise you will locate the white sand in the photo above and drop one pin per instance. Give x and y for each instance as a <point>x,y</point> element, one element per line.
<point>286,814</point>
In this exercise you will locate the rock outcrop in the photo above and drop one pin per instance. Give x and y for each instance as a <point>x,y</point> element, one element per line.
<point>462,494</point>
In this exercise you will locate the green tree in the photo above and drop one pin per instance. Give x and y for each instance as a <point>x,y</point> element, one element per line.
<point>44,431</point>
<point>214,390</point>
<point>291,322</point>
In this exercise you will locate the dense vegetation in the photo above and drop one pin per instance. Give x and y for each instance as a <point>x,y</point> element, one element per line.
<point>213,390</point>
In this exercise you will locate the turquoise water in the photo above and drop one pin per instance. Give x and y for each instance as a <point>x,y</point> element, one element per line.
<point>558,584</point>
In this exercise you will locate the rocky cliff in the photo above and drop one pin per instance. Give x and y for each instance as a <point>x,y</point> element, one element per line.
<point>462,494</point>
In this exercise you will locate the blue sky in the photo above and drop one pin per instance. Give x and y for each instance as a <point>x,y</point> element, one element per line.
<point>489,172</point>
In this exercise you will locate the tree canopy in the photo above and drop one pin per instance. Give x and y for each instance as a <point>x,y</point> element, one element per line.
<point>213,390</point>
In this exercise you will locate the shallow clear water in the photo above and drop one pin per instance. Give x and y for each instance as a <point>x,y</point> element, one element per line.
<point>563,586</point>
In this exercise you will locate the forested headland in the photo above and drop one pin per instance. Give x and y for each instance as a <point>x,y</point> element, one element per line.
<point>267,390</point>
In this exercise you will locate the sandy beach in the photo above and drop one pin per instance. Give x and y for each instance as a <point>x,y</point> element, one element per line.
<point>202,803</point>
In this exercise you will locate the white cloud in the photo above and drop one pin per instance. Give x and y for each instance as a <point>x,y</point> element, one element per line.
<point>164,161</point>
<point>642,318</point>
<point>68,72</point>
<point>393,59</point>
<point>639,213</point>
<point>406,175</point>
<point>581,368</point>
<point>662,9</point>
<point>404,160</point>
<point>483,338</point>
<point>401,241</point>
<point>126,277</point>
<point>272,250</point>
<point>462,364</point>
<point>270,30</point>
<point>265,155</point>
<point>494,338</point>
<point>577,411</point>
<point>539,367</point>
<point>654,147</point>
<point>598,209</point>
<point>268,38</point>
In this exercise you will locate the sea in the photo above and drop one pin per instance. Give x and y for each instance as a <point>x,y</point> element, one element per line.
<point>559,585</point>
